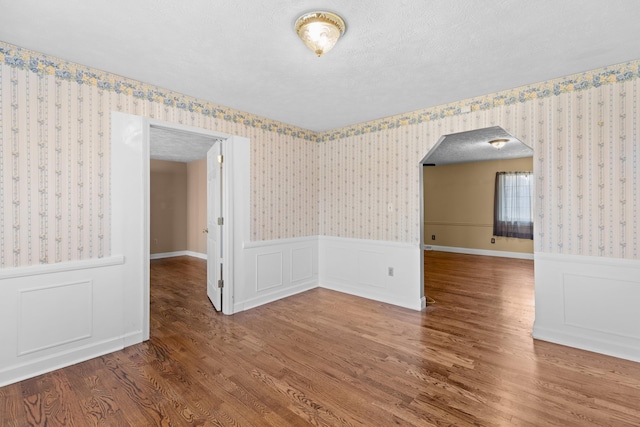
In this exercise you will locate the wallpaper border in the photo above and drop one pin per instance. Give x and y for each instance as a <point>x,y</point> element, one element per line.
<point>572,83</point>
<point>42,64</point>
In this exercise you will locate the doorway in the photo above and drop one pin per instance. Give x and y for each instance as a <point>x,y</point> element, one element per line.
<point>461,218</point>
<point>185,200</point>
<point>130,145</point>
<point>178,208</point>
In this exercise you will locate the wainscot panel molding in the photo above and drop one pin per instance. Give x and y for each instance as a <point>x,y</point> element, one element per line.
<point>42,325</point>
<point>589,303</point>
<point>504,254</point>
<point>277,269</point>
<point>362,267</point>
<point>35,270</point>
<point>55,315</point>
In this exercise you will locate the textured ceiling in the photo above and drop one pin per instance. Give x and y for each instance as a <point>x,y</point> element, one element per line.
<point>178,146</point>
<point>396,56</point>
<point>473,146</point>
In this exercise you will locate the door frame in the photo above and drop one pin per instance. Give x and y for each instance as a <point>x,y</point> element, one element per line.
<point>215,230</point>
<point>130,231</point>
<point>424,162</point>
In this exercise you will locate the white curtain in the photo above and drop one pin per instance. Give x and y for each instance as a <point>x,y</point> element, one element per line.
<point>513,207</point>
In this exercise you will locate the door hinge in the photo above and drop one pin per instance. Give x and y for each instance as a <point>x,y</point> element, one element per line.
<point>221,283</point>
<point>220,220</point>
<point>220,158</point>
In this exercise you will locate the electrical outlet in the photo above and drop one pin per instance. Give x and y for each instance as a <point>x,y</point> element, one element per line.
<point>433,237</point>
<point>391,271</point>
<point>493,240</point>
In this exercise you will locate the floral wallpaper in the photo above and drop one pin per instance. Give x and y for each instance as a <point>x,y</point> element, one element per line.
<point>55,158</point>
<point>584,131</point>
<point>586,163</point>
<point>357,182</point>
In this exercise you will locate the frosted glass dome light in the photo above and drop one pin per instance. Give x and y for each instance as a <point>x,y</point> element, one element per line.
<point>320,31</point>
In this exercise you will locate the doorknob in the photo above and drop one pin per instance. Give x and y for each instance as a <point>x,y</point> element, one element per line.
<point>205,230</point>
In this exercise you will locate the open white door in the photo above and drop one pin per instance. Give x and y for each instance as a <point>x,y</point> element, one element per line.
<point>214,225</point>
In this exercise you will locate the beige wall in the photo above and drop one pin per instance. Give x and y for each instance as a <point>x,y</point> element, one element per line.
<point>197,206</point>
<point>168,206</point>
<point>458,205</point>
<point>178,206</point>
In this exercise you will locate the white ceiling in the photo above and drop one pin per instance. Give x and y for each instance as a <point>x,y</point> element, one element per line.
<point>178,146</point>
<point>473,146</point>
<point>396,56</point>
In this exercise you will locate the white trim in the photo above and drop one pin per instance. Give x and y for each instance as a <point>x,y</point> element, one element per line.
<point>484,252</point>
<point>167,254</point>
<point>385,243</point>
<point>29,310</point>
<point>589,303</point>
<point>227,213</point>
<point>585,341</point>
<point>26,351</point>
<point>177,254</point>
<point>277,242</point>
<point>128,169</point>
<point>236,151</point>
<point>236,211</point>
<point>12,273</point>
<point>361,267</point>
<point>280,269</point>
<point>49,363</point>
<point>196,254</point>
<point>274,296</point>
<point>132,338</point>
<point>591,260</point>
<point>386,299</point>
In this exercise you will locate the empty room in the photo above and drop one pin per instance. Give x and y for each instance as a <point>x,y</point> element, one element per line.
<point>300,213</point>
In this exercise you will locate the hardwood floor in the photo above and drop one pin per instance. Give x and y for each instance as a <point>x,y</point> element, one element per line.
<point>325,358</point>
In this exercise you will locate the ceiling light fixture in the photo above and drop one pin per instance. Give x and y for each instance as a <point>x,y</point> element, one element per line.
<point>319,30</point>
<point>498,143</point>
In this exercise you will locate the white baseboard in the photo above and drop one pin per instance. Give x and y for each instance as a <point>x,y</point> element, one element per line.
<point>178,253</point>
<point>585,341</point>
<point>132,338</point>
<point>196,254</point>
<point>469,251</point>
<point>40,366</point>
<point>421,303</point>
<point>274,296</point>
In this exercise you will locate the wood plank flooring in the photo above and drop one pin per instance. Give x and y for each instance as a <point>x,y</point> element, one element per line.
<point>328,359</point>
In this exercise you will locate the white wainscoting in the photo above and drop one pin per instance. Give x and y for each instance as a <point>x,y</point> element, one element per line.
<point>276,269</point>
<point>55,315</point>
<point>591,303</point>
<point>361,267</point>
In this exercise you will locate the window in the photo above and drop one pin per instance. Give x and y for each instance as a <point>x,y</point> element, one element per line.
<point>513,207</point>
